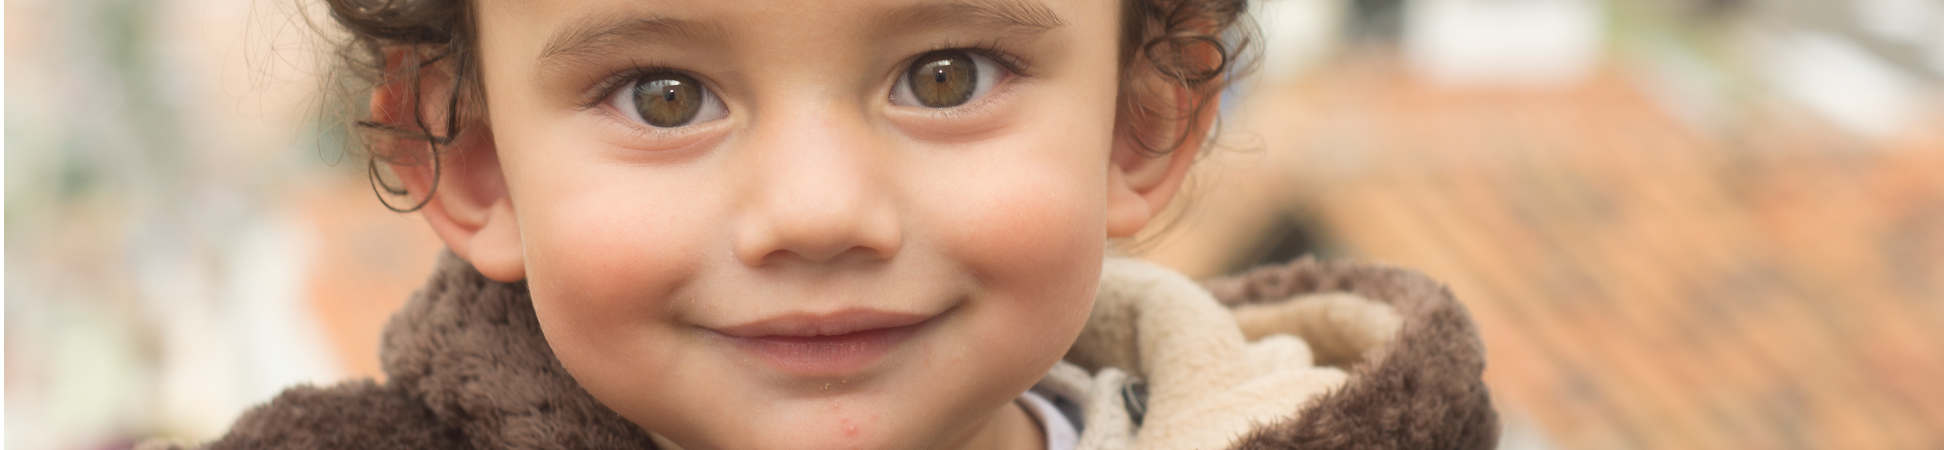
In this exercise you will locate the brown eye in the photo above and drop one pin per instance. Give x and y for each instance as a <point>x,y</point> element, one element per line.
<point>668,100</point>
<point>943,79</point>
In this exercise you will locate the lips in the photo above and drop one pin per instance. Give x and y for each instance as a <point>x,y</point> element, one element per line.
<point>805,325</point>
<point>837,344</point>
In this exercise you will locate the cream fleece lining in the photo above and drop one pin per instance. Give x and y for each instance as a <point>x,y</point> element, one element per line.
<point>1212,376</point>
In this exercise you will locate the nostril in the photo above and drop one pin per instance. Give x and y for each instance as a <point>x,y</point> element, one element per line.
<point>828,257</point>
<point>819,201</point>
<point>804,253</point>
<point>869,234</point>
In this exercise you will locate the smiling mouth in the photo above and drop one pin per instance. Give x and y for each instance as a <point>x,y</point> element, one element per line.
<point>838,344</point>
<point>808,325</point>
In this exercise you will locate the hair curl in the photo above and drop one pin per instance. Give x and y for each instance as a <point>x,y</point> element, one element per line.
<point>1180,41</point>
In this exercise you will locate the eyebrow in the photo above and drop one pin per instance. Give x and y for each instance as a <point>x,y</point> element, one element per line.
<point>601,34</point>
<point>1015,16</point>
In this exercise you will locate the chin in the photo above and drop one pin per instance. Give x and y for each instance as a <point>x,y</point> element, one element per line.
<point>826,423</point>
<point>821,437</point>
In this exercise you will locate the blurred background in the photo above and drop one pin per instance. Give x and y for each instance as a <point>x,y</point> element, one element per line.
<point>1678,223</point>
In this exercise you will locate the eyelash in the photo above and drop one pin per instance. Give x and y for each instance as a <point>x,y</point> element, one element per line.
<point>598,94</point>
<point>989,49</point>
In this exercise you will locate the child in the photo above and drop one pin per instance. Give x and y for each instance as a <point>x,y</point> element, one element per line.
<point>869,224</point>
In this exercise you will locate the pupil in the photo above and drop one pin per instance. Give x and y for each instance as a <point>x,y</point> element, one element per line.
<point>668,100</point>
<point>943,79</point>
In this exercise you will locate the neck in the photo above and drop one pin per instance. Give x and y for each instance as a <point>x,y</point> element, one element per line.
<point>1011,427</point>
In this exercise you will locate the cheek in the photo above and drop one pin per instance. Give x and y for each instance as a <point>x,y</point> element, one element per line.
<point>1033,229</point>
<point>1024,214</point>
<point>607,250</point>
<point>1033,197</point>
<point>1037,259</point>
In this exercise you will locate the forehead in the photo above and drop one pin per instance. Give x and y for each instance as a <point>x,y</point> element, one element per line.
<point>732,8</point>
<point>567,21</point>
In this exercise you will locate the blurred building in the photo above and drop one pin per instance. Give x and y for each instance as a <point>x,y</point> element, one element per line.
<point>1680,223</point>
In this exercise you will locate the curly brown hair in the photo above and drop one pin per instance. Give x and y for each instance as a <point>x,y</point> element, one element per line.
<point>1181,41</point>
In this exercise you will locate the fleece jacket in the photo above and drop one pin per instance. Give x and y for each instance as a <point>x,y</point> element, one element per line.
<point>1304,355</point>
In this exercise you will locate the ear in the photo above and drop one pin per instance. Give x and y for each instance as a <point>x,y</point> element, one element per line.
<point>1140,182</point>
<point>469,208</point>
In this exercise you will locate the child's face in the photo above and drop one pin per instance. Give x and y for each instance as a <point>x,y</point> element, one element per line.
<point>756,225</point>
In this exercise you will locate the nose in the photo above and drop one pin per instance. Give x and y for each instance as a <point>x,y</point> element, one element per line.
<point>817,188</point>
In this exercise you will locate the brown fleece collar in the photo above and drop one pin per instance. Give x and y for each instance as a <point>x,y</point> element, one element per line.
<point>471,350</point>
<point>1422,390</point>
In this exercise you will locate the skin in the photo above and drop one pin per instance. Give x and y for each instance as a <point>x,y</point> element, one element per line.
<point>813,193</point>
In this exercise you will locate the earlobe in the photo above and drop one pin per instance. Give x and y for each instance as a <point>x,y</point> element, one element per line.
<point>1140,182</point>
<point>470,209</point>
<point>1127,210</point>
<point>460,180</point>
<point>495,248</point>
